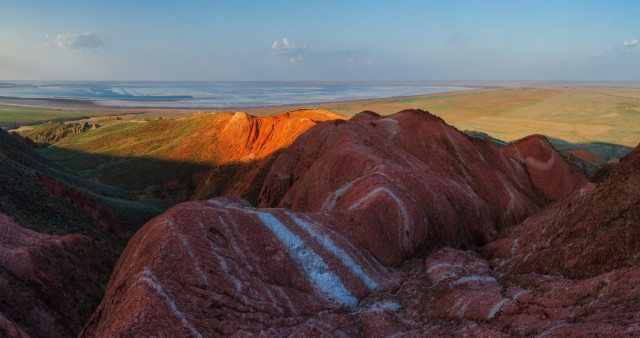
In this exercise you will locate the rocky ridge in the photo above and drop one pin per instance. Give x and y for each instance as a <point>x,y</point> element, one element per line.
<point>344,215</point>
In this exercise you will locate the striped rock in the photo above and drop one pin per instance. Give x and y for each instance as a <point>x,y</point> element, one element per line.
<point>341,210</point>
<point>432,185</point>
<point>550,174</point>
<point>223,267</point>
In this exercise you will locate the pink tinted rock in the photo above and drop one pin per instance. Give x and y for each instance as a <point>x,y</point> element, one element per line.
<point>432,185</point>
<point>346,211</point>
<point>47,283</point>
<point>550,173</point>
<point>243,270</point>
<point>594,229</point>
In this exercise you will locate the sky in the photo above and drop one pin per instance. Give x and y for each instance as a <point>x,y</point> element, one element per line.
<point>401,40</point>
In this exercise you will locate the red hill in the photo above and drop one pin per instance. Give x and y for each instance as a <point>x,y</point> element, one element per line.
<point>354,199</point>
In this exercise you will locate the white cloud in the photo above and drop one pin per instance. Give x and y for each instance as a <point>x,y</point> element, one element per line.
<point>630,43</point>
<point>288,49</point>
<point>363,61</point>
<point>75,41</point>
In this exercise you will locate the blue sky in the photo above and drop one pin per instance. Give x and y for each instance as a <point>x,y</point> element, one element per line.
<point>320,40</point>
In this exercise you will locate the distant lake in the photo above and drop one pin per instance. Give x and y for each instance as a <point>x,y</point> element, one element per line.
<point>214,95</point>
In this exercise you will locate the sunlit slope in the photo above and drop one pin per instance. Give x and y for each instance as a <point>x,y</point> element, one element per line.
<point>181,159</point>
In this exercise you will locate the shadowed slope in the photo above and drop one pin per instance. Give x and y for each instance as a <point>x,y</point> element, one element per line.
<point>53,279</point>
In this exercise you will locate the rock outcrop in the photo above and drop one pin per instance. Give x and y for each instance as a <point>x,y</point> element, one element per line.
<point>438,186</point>
<point>551,175</point>
<point>249,145</point>
<point>344,208</point>
<point>52,131</point>
<point>595,229</point>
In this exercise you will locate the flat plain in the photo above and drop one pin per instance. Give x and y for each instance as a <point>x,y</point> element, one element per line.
<point>571,112</point>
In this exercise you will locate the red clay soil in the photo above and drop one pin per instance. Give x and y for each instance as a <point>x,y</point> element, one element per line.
<point>357,201</point>
<point>49,285</point>
<point>249,146</point>
<point>595,230</point>
<point>544,165</point>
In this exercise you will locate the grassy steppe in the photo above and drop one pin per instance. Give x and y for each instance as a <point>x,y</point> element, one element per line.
<point>577,113</point>
<point>13,116</point>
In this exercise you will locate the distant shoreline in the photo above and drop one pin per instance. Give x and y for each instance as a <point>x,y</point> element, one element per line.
<point>95,105</point>
<point>92,105</point>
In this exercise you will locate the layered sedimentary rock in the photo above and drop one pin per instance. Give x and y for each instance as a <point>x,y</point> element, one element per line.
<point>569,270</point>
<point>247,146</point>
<point>355,200</point>
<point>595,229</point>
<point>551,175</point>
<point>458,293</point>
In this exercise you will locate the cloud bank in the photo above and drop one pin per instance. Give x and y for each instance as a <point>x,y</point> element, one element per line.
<point>630,43</point>
<point>288,49</point>
<point>75,41</point>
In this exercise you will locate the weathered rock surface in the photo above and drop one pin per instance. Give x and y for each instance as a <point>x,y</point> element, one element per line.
<point>458,293</point>
<point>551,175</point>
<point>356,199</point>
<point>243,271</point>
<point>438,186</point>
<point>49,285</point>
<point>249,145</point>
<point>595,230</point>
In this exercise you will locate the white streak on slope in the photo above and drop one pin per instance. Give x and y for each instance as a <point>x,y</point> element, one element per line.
<point>186,245</point>
<point>150,279</point>
<point>474,278</point>
<point>327,282</point>
<point>405,225</point>
<point>346,260</point>
<point>496,308</point>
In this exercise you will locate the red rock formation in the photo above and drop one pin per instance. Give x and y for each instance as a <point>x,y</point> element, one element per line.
<point>595,229</point>
<point>49,285</point>
<point>243,270</point>
<point>550,174</point>
<point>457,293</point>
<point>364,195</point>
<point>249,145</point>
<point>438,186</point>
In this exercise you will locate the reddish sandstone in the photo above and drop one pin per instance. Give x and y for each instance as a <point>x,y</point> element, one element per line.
<point>431,184</point>
<point>356,199</point>
<point>551,175</point>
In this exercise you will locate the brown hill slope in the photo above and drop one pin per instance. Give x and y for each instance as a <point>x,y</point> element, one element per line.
<point>364,196</point>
